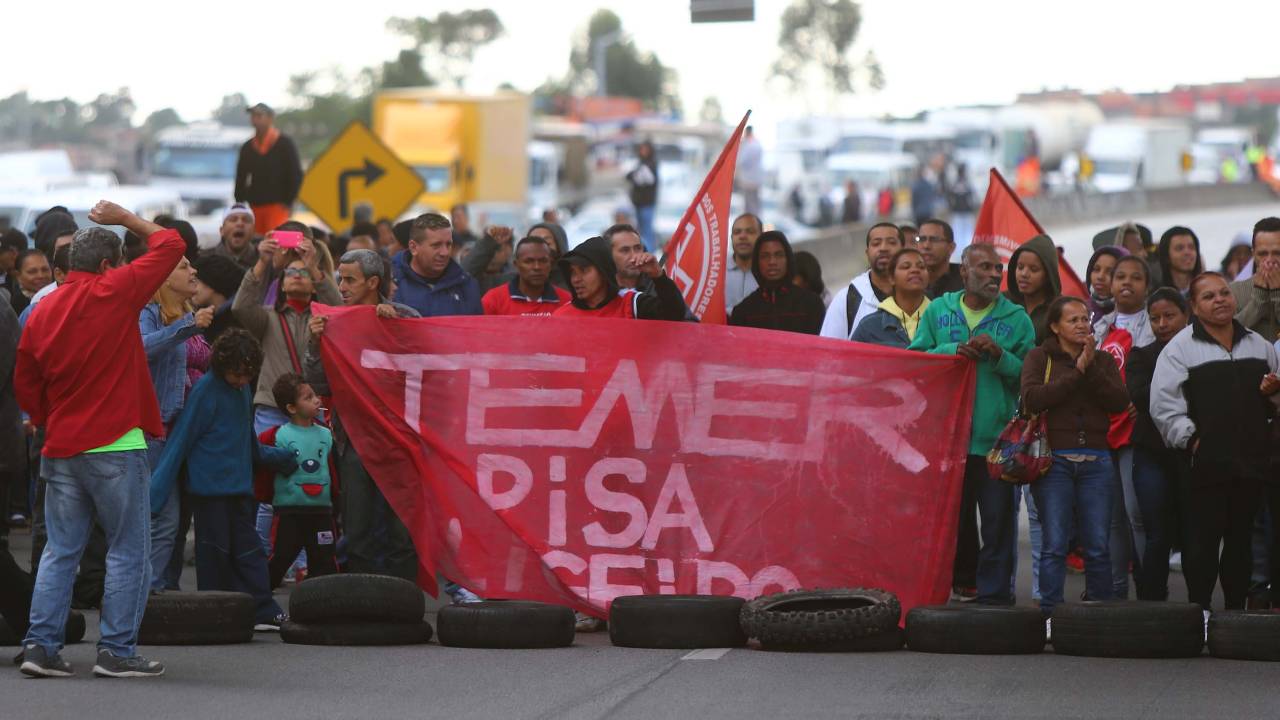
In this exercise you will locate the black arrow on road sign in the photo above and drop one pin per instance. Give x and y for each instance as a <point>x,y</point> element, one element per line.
<point>370,172</point>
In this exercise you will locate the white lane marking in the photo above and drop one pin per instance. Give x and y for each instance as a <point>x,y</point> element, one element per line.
<point>707,654</point>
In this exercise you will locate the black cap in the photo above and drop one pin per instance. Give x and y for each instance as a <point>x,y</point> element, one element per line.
<point>261,107</point>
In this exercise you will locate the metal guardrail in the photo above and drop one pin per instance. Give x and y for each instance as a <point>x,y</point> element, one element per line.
<point>842,253</point>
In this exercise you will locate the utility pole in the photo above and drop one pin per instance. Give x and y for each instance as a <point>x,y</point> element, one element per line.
<point>601,45</point>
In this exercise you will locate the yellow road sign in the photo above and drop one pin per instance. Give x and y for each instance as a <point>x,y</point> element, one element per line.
<point>357,169</point>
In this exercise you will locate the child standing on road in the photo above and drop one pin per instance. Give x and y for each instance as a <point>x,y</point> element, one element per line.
<point>214,438</point>
<point>302,500</point>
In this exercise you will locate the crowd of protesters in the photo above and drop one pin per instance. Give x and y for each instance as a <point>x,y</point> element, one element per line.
<point>166,388</point>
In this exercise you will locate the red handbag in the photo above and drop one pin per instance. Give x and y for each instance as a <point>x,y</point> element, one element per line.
<point>1021,454</point>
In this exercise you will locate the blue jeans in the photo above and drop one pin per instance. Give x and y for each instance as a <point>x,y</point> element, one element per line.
<point>1127,533</point>
<point>644,223</point>
<point>1081,490</point>
<point>114,489</point>
<point>995,514</point>
<point>1151,486</point>
<point>229,555</point>
<point>164,524</point>
<point>1023,492</point>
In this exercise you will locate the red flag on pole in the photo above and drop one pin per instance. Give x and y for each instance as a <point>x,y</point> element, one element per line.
<point>697,253</point>
<point>1006,223</point>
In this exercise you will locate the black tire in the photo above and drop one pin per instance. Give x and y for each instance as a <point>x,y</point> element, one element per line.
<point>880,642</point>
<point>197,618</point>
<point>975,630</point>
<point>1123,629</point>
<point>356,597</point>
<point>820,619</point>
<point>74,631</point>
<point>362,633</point>
<point>505,624</point>
<point>676,622</point>
<point>1245,635</point>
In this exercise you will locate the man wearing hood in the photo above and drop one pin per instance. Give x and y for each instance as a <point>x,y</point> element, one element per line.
<point>593,280</point>
<point>557,241</point>
<point>426,276</point>
<point>237,238</point>
<point>984,326</point>
<point>863,296</point>
<point>1033,281</point>
<point>778,304</point>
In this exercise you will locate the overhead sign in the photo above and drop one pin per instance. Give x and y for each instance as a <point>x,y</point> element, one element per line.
<point>357,169</point>
<point>706,11</point>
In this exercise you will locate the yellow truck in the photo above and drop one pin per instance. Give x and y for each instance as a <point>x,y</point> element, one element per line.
<point>469,149</point>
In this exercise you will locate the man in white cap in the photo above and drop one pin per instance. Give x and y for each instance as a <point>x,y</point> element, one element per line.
<point>237,237</point>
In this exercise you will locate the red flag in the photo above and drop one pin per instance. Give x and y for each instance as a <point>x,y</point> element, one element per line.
<point>1006,223</point>
<point>573,461</point>
<point>697,253</point>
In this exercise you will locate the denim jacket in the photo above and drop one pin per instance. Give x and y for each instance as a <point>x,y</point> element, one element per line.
<point>166,348</point>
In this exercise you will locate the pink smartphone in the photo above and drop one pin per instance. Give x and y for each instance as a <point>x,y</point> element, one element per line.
<point>287,239</point>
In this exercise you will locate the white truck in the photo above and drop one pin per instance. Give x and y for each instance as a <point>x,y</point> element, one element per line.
<point>1136,154</point>
<point>198,161</point>
<point>1001,137</point>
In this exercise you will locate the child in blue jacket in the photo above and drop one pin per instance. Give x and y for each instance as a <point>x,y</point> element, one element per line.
<point>214,438</point>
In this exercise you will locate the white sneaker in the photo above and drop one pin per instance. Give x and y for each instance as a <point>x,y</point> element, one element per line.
<point>462,596</point>
<point>1206,626</point>
<point>1048,630</point>
<point>1175,562</point>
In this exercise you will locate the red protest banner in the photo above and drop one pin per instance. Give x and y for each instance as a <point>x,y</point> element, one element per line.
<point>1006,223</point>
<point>697,253</point>
<point>572,460</point>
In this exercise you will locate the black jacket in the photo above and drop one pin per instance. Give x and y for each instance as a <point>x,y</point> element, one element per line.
<point>1201,391</point>
<point>1138,370</point>
<point>644,183</point>
<point>950,282</point>
<point>781,305</point>
<point>271,178</point>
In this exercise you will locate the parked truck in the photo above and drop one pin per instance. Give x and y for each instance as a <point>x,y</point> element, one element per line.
<point>471,149</point>
<point>1134,154</point>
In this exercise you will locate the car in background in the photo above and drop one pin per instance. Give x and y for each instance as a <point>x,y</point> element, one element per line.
<point>21,208</point>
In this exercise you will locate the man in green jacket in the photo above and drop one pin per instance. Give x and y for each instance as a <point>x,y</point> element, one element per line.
<point>995,333</point>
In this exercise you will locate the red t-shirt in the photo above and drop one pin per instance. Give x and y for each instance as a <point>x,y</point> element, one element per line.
<point>507,300</point>
<point>623,306</point>
<point>81,371</point>
<point>1119,343</point>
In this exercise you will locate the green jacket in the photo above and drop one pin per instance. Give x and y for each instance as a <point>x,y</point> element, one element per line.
<point>943,327</point>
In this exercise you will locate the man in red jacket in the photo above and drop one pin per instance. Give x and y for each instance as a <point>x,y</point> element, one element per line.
<point>81,373</point>
<point>529,293</point>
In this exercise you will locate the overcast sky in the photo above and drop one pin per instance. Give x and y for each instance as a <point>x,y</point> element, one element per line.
<point>934,53</point>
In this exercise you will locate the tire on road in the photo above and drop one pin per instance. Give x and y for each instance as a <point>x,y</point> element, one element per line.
<point>1126,629</point>
<point>197,618</point>
<point>975,630</point>
<point>677,622</point>
<point>356,597</point>
<point>514,624</point>
<point>356,633</point>
<point>75,629</point>
<point>833,619</point>
<point>1245,635</point>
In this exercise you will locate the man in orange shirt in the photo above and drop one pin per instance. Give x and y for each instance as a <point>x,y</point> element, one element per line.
<point>268,173</point>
